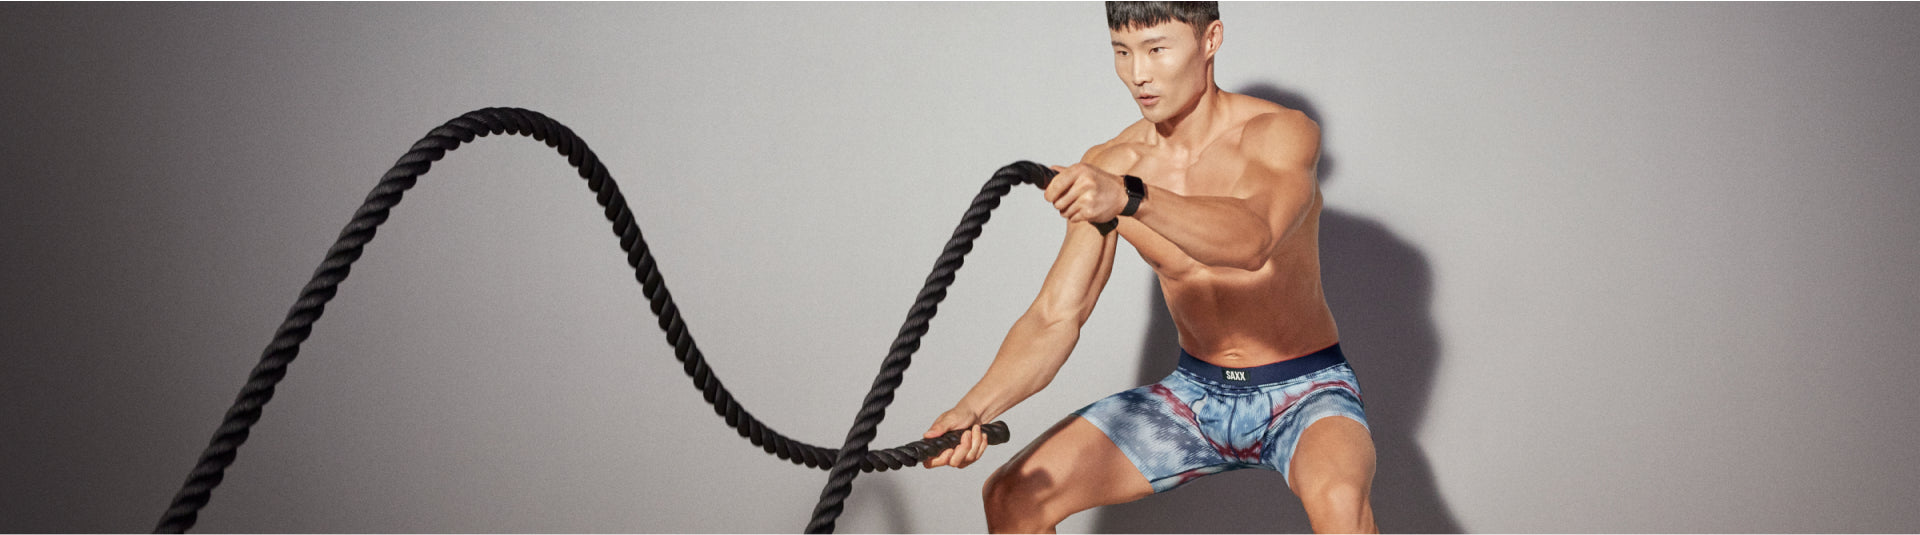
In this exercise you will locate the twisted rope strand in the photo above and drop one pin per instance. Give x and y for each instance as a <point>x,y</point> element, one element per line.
<point>919,317</point>
<point>285,346</point>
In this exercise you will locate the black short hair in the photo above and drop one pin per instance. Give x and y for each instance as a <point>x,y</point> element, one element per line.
<point>1123,15</point>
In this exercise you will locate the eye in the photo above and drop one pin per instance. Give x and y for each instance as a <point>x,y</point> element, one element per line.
<point>1120,53</point>
<point>1157,49</point>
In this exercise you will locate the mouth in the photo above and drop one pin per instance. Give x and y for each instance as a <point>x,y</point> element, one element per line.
<point>1147,100</point>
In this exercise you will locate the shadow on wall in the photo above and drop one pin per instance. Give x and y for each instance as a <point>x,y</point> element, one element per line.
<point>1379,288</point>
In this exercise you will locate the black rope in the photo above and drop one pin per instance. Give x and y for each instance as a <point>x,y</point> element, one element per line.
<point>246,409</point>
<point>892,370</point>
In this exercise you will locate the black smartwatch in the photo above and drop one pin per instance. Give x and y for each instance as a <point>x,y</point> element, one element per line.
<point>1136,192</point>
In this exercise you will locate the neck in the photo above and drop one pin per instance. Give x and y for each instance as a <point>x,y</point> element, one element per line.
<point>1190,130</point>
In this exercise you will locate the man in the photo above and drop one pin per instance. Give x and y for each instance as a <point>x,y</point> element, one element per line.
<point>1227,214</point>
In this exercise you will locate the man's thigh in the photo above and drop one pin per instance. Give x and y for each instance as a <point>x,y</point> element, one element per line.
<point>1070,468</point>
<point>1333,451</point>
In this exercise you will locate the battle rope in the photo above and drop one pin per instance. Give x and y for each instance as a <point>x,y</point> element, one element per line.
<point>848,460</point>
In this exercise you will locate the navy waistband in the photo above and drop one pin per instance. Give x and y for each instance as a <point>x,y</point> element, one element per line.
<point>1277,372</point>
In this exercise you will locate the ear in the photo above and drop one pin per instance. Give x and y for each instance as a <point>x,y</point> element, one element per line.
<point>1216,33</point>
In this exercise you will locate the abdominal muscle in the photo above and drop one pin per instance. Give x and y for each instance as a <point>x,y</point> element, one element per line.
<point>1234,318</point>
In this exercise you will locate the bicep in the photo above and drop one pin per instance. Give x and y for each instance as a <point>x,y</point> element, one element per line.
<point>1279,183</point>
<point>1280,197</point>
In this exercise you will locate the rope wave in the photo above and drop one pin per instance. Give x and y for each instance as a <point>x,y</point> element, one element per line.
<point>843,463</point>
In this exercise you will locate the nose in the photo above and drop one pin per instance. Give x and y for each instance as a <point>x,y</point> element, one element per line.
<point>1139,75</point>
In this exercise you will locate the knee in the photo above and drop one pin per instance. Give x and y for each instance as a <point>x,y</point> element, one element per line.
<point>1004,492</point>
<point>1339,507</point>
<point>1013,500</point>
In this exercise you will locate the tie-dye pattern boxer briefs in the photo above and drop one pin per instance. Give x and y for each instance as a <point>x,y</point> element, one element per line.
<point>1204,419</point>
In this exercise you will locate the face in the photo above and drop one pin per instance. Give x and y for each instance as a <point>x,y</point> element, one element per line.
<point>1165,66</point>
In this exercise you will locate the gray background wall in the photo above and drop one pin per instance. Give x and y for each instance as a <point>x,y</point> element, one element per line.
<point>1619,267</point>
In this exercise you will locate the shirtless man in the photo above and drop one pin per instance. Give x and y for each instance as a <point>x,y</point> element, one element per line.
<point>1227,213</point>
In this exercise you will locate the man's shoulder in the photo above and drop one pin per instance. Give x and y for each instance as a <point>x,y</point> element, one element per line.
<point>1121,151</point>
<point>1270,123</point>
<point>1277,135</point>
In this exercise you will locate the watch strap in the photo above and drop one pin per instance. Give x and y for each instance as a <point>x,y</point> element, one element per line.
<point>1136,192</point>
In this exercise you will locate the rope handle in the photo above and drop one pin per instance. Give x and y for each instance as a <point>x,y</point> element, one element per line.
<point>1045,177</point>
<point>997,434</point>
<point>919,451</point>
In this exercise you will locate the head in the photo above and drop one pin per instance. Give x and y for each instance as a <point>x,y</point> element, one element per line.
<point>1163,52</point>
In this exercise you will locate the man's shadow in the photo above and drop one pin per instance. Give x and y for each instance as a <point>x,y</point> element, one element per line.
<point>1380,289</point>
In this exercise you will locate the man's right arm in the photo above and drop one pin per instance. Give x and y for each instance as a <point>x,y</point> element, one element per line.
<point>1037,345</point>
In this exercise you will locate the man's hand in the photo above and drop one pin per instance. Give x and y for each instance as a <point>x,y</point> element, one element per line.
<point>973,443</point>
<point>1085,193</point>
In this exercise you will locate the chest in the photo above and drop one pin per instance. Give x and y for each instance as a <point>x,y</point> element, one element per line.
<point>1213,171</point>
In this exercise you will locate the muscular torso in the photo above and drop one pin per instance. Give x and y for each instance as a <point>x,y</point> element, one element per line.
<point>1227,316</point>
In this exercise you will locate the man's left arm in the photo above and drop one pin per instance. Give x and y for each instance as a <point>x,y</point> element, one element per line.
<point>1267,203</point>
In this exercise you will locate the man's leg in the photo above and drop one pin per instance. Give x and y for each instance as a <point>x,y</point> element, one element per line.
<point>1332,473</point>
<point>1071,468</point>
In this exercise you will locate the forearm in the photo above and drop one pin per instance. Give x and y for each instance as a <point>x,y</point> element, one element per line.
<point>1032,353</point>
<point>1216,231</point>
